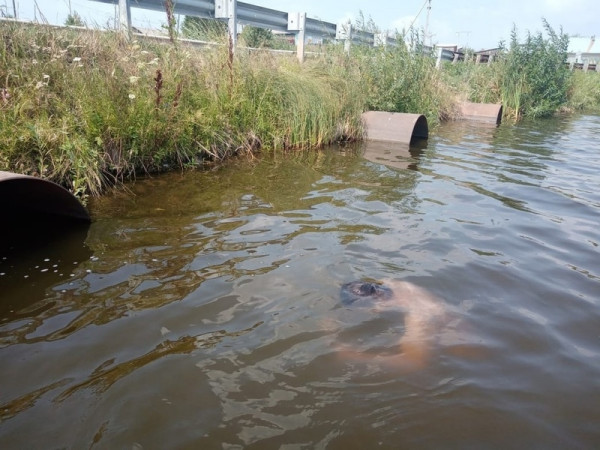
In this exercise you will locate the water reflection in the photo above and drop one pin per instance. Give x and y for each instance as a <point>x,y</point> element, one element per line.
<point>33,259</point>
<point>204,310</point>
<point>393,154</point>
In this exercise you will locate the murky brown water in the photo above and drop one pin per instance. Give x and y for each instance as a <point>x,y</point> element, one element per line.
<point>201,310</point>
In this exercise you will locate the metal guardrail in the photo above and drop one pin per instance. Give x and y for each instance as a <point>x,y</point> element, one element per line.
<point>235,13</point>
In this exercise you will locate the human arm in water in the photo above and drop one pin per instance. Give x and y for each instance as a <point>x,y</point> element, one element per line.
<point>424,314</point>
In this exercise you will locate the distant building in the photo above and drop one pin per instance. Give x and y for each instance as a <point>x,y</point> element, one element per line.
<point>584,53</point>
<point>451,52</point>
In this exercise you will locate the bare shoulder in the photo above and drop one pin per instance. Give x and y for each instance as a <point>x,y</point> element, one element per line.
<point>416,299</point>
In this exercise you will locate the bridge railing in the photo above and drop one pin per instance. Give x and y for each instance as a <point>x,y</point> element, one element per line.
<point>235,13</point>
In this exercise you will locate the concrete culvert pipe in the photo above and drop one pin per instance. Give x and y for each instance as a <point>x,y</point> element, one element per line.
<point>482,112</point>
<point>24,197</point>
<point>395,127</point>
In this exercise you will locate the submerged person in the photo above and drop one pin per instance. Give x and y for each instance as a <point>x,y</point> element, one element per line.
<point>422,314</point>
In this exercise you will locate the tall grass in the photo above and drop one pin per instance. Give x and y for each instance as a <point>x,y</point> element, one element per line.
<point>404,79</point>
<point>584,93</point>
<point>536,79</point>
<point>478,83</point>
<point>87,109</point>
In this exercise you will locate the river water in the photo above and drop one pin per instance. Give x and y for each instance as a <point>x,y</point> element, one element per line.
<point>201,309</point>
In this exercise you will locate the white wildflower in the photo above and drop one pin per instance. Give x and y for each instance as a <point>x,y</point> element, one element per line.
<point>131,96</point>
<point>4,95</point>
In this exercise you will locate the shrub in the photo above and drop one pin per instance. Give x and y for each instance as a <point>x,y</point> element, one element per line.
<point>585,91</point>
<point>535,78</point>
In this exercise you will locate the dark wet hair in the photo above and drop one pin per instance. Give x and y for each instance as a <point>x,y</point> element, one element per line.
<point>363,293</point>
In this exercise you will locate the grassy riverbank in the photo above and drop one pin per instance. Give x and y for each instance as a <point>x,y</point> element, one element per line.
<point>88,109</point>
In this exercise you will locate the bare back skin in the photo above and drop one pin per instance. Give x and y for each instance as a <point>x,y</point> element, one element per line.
<point>423,315</point>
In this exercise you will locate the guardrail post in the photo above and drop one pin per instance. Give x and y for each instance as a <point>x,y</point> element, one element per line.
<point>380,40</point>
<point>227,9</point>
<point>125,17</point>
<point>344,32</point>
<point>297,22</point>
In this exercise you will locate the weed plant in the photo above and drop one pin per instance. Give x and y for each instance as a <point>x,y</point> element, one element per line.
<point>535,79</point>
<point>478,83</point>
<point>584,93</point>
<point>531,79</point>
<point>87,109</point>
<point>404,80</point>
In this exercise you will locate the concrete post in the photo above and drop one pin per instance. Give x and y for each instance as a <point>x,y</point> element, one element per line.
<point>232,23</point>
<point>125,17</point>
<point>297,22</point>
<point>227,9</point>
<point>348,41</point>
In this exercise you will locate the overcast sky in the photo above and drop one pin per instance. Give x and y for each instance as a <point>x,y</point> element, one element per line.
<point>476,23</point>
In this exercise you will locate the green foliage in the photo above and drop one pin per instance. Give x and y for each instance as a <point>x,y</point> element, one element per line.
<point>87,109</point>
<point>255,37</point>
<point>478,83</point>
<point>204,29</point>
<point>531,79</point>
<point>585,91</point>
<point>535,79</point>
<point>403,81</point>
<point>74,20</point>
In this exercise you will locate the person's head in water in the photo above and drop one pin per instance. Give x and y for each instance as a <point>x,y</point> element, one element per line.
<point>363,293</point>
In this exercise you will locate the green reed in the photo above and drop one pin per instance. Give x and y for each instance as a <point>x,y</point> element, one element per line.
<point>88,109</point>
<point>404,79</point>
<point>584,94</point>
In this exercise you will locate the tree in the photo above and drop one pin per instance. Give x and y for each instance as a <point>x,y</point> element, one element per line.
<point>74,20</point>
<point>257,37</point>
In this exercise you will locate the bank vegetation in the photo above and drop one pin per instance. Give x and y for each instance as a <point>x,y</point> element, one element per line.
<point>89,109</point>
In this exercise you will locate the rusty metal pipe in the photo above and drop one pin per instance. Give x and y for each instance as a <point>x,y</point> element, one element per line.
<point>395,127</point>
